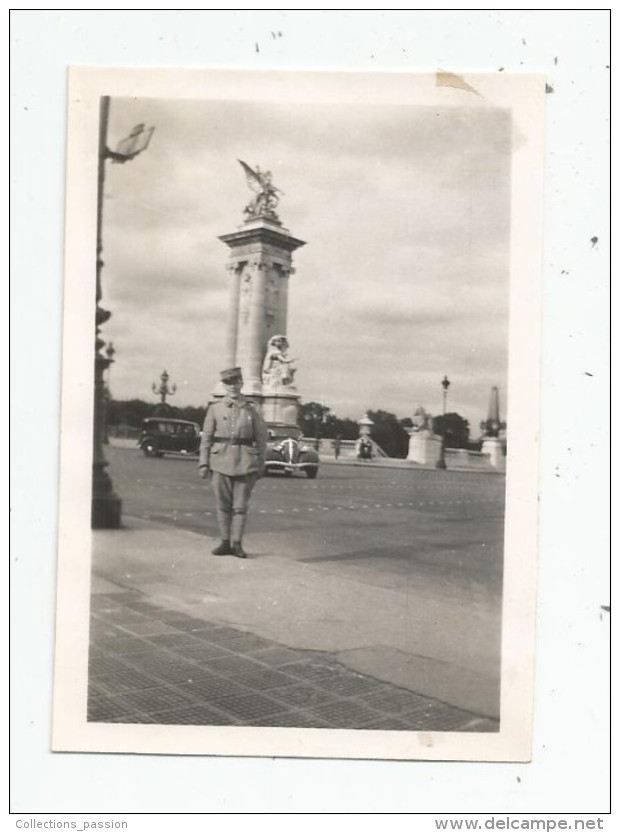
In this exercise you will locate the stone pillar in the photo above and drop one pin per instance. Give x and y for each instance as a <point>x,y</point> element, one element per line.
<point>233,313</point>
<point>251,337</point>
<point>280,305</point>
<point>424,447</point>
<point>260,264</point>
<point>494,448</point>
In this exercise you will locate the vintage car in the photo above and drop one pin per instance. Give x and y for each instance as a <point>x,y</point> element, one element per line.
<point>162,434</point>
<point>287,452</point>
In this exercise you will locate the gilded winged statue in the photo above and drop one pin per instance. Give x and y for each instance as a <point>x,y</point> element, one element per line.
<point>266,200</point>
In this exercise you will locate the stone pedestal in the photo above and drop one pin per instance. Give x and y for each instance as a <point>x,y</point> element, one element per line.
<point>494,448</point>
<point>424,448</point>
<point>280,406</point>
<point>260,265</point>
<point>365,425</point>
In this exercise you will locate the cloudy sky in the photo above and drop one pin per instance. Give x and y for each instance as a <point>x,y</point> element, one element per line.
<point>404,278</point>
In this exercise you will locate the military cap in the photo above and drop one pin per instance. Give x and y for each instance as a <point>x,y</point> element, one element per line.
<point>230,374</point>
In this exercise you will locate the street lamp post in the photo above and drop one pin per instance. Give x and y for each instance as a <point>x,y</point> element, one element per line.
<point>110,350</point>
<point>441,462</point>
<point>163,391</point>
<point>105,503</point>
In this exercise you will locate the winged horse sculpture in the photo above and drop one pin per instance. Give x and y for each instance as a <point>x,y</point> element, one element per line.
<point>266,200</point>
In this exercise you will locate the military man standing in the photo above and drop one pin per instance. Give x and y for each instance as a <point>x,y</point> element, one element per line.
<point>232,455</point>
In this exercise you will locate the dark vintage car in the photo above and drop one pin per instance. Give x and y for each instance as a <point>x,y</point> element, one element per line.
<point>161,434</point>
<point>287,452</point>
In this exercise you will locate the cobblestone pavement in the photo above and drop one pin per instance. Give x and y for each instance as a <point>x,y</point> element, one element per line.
<point>148,664</point>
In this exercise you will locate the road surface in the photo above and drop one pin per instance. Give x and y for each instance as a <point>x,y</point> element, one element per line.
<point>397,571</point>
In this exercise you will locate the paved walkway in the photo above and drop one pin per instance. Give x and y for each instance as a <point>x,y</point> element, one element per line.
<point>152,664</point>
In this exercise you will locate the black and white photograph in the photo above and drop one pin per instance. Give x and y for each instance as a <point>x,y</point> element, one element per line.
<point>298,503</point>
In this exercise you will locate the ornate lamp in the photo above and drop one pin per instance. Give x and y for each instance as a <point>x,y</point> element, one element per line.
<point>105,504</point>
<point>441,462</point>
<point>164,390</point>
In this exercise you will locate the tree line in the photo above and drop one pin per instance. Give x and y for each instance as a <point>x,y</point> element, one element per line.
<point>125,416</point>
<point>390,432</point>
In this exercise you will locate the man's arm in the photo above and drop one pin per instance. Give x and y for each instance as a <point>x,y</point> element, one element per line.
<point>206,441</point>
<point>260,436</point>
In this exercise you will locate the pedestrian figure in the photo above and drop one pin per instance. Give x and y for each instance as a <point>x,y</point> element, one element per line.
<point>364,448</point>
<point>337,446</point>
<point>232,456</point>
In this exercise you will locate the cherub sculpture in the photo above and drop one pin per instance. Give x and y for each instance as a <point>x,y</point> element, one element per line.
<point>422,420</point>
<point>277,367</point>
<point>266,200</point>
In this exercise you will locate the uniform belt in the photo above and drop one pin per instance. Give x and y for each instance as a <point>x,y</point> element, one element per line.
<point>233,440</point>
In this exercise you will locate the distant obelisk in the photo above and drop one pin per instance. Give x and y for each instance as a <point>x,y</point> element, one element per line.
<point>491,443</point>
<point>260,265</point>
<point>492,424</point>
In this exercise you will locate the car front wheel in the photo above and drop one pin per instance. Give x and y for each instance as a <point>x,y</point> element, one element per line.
<point>312,473</point>
<point>150,449</point>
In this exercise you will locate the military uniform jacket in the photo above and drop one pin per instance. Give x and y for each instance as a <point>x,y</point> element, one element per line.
<point>234,438</point>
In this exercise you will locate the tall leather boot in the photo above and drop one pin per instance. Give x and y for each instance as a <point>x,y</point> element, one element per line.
<point>236,528</point>
<point>224,523</point>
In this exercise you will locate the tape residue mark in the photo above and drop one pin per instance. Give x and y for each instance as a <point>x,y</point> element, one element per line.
<point>451,79</point>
